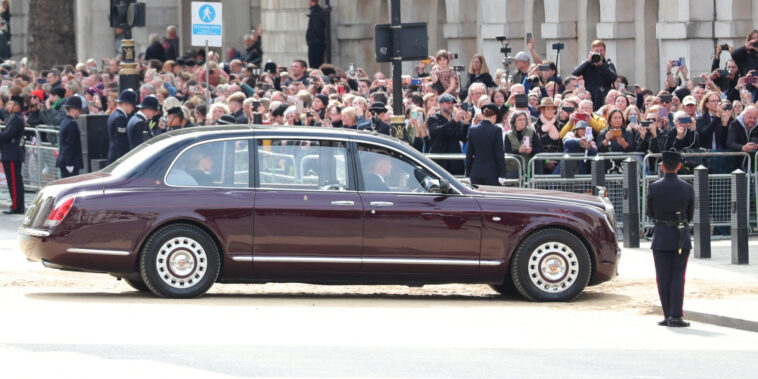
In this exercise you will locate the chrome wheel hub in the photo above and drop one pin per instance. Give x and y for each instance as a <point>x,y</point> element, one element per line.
<point>553,267</point>
<point>181,262</point>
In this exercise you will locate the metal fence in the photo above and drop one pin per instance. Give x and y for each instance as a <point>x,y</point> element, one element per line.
<point>41,152</point>
<point>719,188</point>
<point>510,182</point>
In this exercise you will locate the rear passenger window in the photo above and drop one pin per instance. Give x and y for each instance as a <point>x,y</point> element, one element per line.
<point>213,164</point>
<point>302,164</point>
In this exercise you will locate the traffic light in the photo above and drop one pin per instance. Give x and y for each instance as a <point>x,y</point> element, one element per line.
<point>127,14</point>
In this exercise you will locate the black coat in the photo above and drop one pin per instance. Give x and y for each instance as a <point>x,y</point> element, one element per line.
<point>707,130</point>
<point>12,140</point>
<point>613,146</point>
<point>738,136</point>
<point>690,140</point>
<point>485,157</point>
<point>665,197</point>
<point>316,32</point>
<point>137,130</point>
<point>254,53</point>
<point>172,48</point>
<point>746,60</point>
<point>445,137</point>
<point>155,51</point>
<point>118,140</point>
<point>597,79</point>
<point>240,117</point>
<point>70,145</point>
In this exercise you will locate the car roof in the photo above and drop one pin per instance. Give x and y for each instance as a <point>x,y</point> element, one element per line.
<point>262,130</point>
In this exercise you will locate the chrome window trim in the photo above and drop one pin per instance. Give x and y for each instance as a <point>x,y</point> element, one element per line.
<point>170,167</point>
<point>33,232</point>
<point>407,261</point>
<point>98,251</point>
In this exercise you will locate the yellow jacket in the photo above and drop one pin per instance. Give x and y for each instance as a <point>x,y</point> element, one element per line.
<point>596,122</point>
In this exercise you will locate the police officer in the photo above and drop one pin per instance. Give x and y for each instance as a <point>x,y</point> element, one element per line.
<point>137,128</point>
<point>671,204</point>
<point>70,144</point>
<point>119,141</point>
<point>12,146</point>
<point>485,158</point>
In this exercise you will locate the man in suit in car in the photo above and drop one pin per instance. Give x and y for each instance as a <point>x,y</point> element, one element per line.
<point>70,144</point>
<point>119,141</point>
<point>379,168</point>
<point>671,204</point>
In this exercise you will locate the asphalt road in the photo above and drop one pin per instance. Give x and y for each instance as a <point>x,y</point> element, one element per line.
<point>68,325</point>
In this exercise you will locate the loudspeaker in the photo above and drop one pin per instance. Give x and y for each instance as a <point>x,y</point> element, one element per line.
<point>95,141</point>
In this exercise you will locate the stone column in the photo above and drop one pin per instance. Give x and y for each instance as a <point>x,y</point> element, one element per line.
<point>353,36</point>
<point>493,13</point>
<point>617,29</point>
<point>92,21</point>
<point>686,30</point>
<point>461,30</point>
<point>284,23</point>
<point>561,26</point>
<point>19,22</point>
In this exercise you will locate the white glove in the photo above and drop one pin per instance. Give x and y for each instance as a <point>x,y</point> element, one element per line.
<point>70,169</point>
<point>501,180</point>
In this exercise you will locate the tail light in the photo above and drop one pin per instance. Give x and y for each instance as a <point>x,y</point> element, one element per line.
<point>59,212</point>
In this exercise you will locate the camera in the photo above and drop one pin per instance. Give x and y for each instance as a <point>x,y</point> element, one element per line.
<point>724,46</point>
<point>453,55</point>
<point>558,46</point>
<point>723,73</point>
<point>596,58</point>
<point>500,38</point>
<point>646,123</point>
<point>459,68</point>
<point>568,109</point>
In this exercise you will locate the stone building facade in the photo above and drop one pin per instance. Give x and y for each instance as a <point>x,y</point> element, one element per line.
<point>640,34</point>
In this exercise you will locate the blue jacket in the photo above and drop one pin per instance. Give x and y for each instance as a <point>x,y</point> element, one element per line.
<point>118,140</point>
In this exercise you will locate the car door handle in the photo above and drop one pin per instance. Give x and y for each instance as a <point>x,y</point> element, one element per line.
<point>381,203</point>
<point>343,202</point>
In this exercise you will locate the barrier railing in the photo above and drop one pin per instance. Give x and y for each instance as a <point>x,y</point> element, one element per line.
<point>719,187</point>
<point>510,182</point>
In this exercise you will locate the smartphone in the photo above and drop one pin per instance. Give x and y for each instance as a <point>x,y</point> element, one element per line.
<point>382,82</point>
<point>633,119</point>
<point>299,106</point>
<point>526,141</point>
<point>666,98</point>
<point>193,88</point>
<point>685,120</point>
<point>663,113</point>
<point>522,101</point>
<point>543,67</point>
<point>580,84</point>
<point>582,117</point>
<point>622,86</point>
<point>679,62</point>
<point>588,133</point>
<point>352,69</point>
<point>420,117</point>
<point>416,81</point>
<point>414,114</point>
<point>41,81</point>
<point>528,37</point>
<point>727,107</point>
<point>426,61</point>
<point>615,133</point>
<point>698,80</point>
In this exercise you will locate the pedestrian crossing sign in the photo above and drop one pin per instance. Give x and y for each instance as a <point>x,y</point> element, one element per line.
<point>206,24</point>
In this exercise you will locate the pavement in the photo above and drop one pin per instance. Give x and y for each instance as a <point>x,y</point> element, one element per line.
<point>738,312</point>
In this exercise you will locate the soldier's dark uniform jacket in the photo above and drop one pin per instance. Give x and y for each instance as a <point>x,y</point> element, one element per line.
<point>12,156</point>
<point>137,130</point>
<point>119,142</point>
<point>70,153</point>
<point>665,197</point>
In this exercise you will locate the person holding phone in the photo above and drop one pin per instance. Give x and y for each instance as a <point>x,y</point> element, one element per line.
<point>485,157</point>
<point>683,136</point>
<point>521,140</point>
<point>444,78</point>
<point>649,139</point>
<point>584,113</point>
<point>579,141</point>
<point>548,126</point>
<point>746,56</point>
<point>447,130</point>
<point>615,138</point>
<point>743,132</point>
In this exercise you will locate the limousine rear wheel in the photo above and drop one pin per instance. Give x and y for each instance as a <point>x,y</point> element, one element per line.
<point>551,265</point>
<point>179,261</point>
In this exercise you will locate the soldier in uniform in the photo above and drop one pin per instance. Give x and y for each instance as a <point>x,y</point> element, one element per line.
<point>137,129</point>
<point>671,205</point>
<point>70,144</point>
<point>485,158</point>
<point>119,142</point>
<point>12,147</point>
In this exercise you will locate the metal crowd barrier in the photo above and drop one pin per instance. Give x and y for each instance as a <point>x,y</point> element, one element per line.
<point>719,187</point>
<point>41,152</point>
<point>510,182</point>
<point>582,183</point>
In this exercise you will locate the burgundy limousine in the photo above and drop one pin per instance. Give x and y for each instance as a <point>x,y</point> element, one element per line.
<point>248,204</point>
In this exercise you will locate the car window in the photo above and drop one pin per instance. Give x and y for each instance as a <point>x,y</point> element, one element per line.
<point>302,164</point>
<point>387,170</point>
<point>212,164</point>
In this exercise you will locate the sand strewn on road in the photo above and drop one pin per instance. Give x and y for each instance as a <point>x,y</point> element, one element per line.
<point>636,295</point>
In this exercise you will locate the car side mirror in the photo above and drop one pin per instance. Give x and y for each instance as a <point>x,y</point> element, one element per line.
<point>444,186</point>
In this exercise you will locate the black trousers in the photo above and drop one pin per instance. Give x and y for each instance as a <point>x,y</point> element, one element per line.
<point>316,55</point>
<point>485,181</point>
<point>15,184</point>
<point>670,269</point>
<point>66,174</point>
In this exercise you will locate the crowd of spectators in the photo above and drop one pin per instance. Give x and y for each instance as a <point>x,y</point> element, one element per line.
<point>593,110</point>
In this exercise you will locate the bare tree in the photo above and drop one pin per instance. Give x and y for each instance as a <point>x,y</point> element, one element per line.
<point>51,33</point>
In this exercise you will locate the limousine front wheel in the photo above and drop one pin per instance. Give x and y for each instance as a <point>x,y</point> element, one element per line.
<point>179,261</point>
<point>551,265</point>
